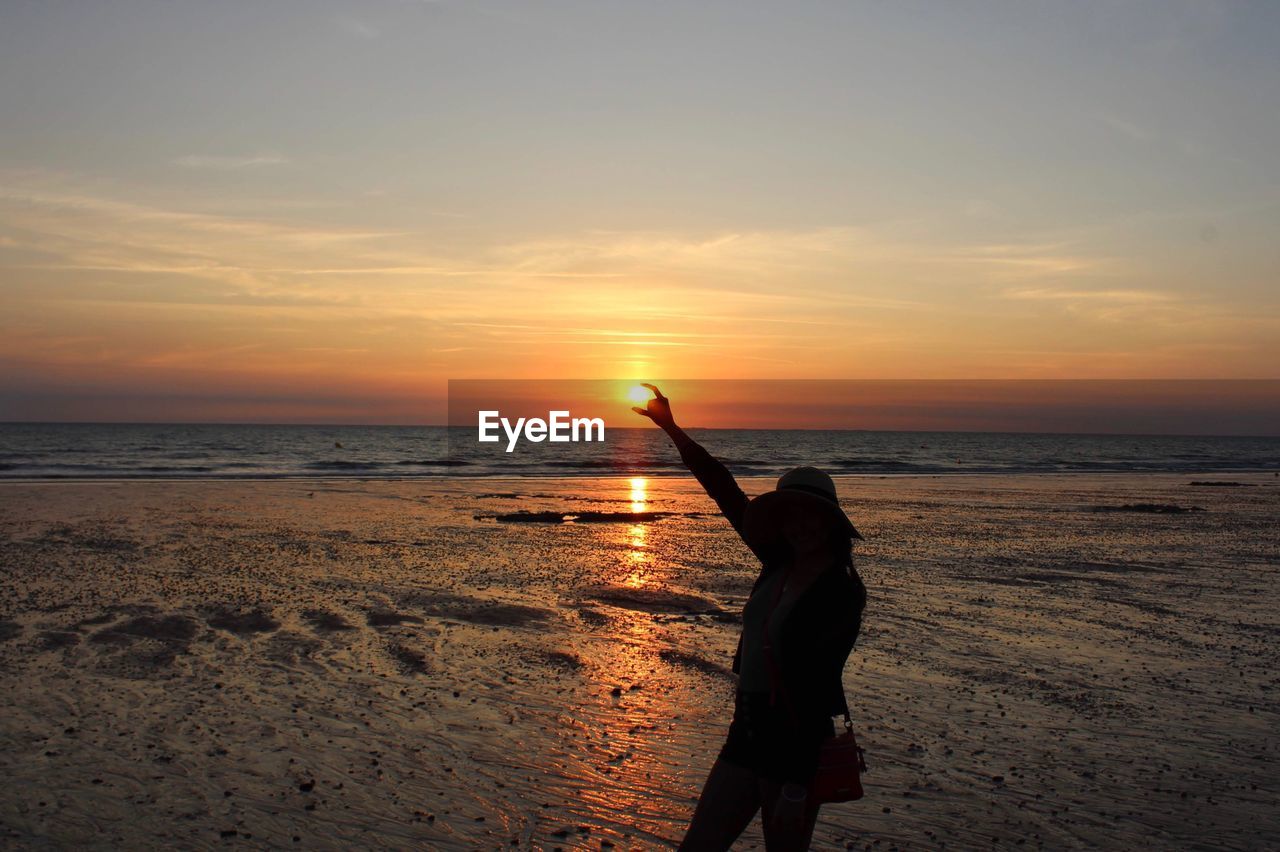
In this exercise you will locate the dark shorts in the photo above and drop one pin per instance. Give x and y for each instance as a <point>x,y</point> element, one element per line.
<point>761,738</point>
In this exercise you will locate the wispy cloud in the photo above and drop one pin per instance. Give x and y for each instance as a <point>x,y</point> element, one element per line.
<point>1025,259</point>
<point>1077,295</point>
<point>226,163</point>
<point>360,29</point>
<point>102,277</point>
<point>1125,127</point>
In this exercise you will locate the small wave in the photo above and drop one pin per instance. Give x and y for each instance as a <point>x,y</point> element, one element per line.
<point>433,463</point>
<point>878,463</point>
<point>612,464</point>
<point>41,466</point>
<point>342,465</point>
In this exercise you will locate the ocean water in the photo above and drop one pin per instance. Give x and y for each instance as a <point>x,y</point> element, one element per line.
<point>159,450</point>
<point>219,451</point>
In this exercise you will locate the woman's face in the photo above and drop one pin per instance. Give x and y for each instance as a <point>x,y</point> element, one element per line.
<point>805,531</point>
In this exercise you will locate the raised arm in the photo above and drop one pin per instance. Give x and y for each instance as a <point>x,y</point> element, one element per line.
<point>714,476</point>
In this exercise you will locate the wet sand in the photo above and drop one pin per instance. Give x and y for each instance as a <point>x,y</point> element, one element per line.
<point>1047,662</point>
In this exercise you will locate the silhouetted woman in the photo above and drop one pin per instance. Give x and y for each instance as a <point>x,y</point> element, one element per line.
<point>798,628</point>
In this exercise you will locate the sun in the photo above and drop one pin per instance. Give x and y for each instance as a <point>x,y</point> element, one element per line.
<point>638,394</point>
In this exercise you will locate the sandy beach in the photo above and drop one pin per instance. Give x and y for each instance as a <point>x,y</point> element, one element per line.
<point>1046,662</point>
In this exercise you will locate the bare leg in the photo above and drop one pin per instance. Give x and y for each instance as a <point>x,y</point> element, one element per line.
<point>729,801</point>
<point>776,841</point>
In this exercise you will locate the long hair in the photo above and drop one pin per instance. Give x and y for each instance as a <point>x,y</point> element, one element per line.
<point>843,546</point>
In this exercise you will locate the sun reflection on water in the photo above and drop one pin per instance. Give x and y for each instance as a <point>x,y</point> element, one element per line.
<point>637,535</point>
<point>639,494</point>
<point>638,556</point>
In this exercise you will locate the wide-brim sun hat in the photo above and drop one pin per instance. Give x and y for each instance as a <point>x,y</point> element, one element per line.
<point>807,488</point>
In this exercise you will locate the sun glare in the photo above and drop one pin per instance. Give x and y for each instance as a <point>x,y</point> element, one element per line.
<point>638,394</point>
<point>639,488</point>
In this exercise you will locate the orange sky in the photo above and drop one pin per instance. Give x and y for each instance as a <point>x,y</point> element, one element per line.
<point>1240,407</point>
<point>359,209</point>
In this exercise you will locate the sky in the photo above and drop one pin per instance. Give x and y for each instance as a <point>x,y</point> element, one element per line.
<point>322,212</point>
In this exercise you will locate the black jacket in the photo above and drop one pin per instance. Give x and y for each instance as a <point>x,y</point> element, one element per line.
<point>816,638</point>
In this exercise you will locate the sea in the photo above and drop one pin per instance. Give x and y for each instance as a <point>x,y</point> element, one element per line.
<point>45,451</point>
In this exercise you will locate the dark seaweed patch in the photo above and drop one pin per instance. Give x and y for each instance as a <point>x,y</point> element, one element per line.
<point>326,621</point>
<point>387,618</point>
<point>1150,508</point>
<point>250,621</point>
<point>585,517</point>
<point>168,628</point>
<point>491,613</point>
<point>653,600</point>
<point>51,640</point>
<point>408,660</point>
<point>694,663</point>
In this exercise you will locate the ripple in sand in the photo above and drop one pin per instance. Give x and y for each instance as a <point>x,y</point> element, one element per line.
<point>9,630</point>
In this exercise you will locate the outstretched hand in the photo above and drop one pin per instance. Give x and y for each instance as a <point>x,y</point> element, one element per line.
<point>657,409</point>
